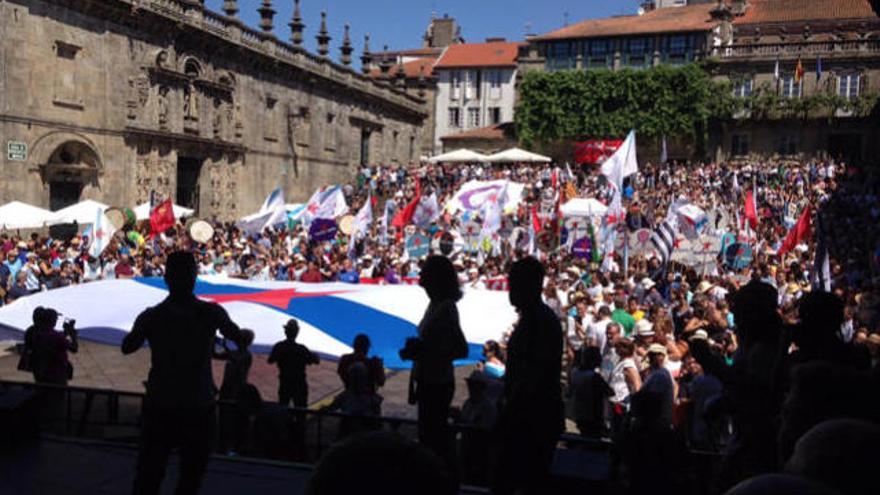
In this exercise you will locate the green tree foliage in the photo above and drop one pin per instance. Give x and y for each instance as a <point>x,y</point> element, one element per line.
<point>664,100</point>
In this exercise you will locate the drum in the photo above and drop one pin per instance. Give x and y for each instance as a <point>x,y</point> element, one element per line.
<point>346,224</point>
<point>199,230</point>
<point>116,216</point>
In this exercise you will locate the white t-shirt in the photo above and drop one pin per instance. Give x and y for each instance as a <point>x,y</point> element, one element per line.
<point>618,379</point>
<point>596,331</point>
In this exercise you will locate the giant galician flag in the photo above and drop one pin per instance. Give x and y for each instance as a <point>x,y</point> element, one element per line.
<point>330,314</point>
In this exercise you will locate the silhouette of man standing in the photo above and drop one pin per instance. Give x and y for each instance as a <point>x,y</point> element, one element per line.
<point>531,417</point>
<point>178,410</point>
<point>292,359</point>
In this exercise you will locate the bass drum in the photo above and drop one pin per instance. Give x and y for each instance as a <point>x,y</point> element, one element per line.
<point>116,216</point>
<point>199,230</point>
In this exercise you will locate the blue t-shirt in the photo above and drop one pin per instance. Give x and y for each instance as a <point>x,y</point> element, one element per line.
<point>349,277</point>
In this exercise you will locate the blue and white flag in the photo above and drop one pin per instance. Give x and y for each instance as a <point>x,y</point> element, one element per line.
<point>274,200</point>
<point>330,314</point>
<point>101,233</point>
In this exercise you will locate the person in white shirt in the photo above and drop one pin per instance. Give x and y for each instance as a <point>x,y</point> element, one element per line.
<point>474,280</point>
<point>597,328</point>
<point>576,334</point>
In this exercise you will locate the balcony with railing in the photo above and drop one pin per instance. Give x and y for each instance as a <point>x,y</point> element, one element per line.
<point>805,49</point>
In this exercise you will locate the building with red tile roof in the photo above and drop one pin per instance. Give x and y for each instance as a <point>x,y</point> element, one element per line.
<point>476,88</point>
<point>491,54</point>
<point>757,45</point>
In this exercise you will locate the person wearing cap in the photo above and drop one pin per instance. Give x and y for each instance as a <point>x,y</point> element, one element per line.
<point>659,383</point>
<point>367,268</point>
<point>474,280</point>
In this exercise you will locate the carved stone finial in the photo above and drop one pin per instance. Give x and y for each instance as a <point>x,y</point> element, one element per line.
<point>296,25</point>
<point>230,8</point>
<point>323,37</point>
<point>266,14</point>
<point>385,63</point>
<point>400,75</point>
<point>366,58</point>
<point>346,47</point>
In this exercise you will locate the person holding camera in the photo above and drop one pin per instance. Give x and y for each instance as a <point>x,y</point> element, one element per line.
<point>440,342</point>
<point>49,356</point>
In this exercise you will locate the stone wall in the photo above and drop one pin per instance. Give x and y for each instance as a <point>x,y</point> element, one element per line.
<point>114,96</point>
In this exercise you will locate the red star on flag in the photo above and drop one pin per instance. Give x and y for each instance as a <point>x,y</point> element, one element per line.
<point>276,298</point>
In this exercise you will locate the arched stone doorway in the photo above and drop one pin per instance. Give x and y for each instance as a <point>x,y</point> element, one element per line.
<point>69,169</point>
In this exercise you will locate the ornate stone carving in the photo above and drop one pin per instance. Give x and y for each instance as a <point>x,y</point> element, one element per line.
<point>163,108</point>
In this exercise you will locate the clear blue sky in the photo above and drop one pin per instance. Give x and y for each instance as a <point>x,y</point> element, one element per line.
<point>401,23</point>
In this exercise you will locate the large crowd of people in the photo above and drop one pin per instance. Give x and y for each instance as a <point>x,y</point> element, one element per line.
<point>738,356</point>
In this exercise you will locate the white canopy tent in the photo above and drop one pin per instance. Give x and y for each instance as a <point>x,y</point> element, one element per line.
<point>142,211</point>
<point>580,207</point>
<point>18,215</point>
<point>459,156</point>
<point>82,212</point>
<point>516,155</point>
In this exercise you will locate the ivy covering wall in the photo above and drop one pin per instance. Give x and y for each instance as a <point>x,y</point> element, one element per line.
<point>661,101</point>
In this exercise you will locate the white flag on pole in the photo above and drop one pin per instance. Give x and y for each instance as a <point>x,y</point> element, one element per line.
<point>622,163</point>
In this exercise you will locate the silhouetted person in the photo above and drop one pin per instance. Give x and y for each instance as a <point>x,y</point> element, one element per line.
<point>292,359</point>
<point>234,391</point>
<point>374,366</point>
<point>587,392</point>
<point>839,453</point>
<point>531,417</point>
<point>50,348</point>
<point>817,336</point>
<point>748,390</point>
<point>439,343</point>
<point>654,455</point>
<point>179,407</point>
<point>381,462</point>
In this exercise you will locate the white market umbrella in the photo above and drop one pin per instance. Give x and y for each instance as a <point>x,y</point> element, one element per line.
<point>142,211</point>
<point>459,156</point>
<point>82,212</point>
<point>580,207</point>
<point>18,215</point>
<point>517,155</point>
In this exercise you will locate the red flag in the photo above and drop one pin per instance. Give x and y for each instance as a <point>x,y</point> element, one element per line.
<point>595,150</point>
<point>404,216</point>
<point>801,232</point>
<point>536,222</point>
<point>161,218</point>
<point>751,210</point>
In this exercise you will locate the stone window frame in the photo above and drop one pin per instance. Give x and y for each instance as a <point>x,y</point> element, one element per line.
<point>852,89</point>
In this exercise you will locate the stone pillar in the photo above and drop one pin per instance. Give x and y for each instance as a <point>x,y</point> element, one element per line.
<point>266,14</point>
<point>322,37</point>
<point>296,26</point>
<point>346,47</point>
<point>366,58</point>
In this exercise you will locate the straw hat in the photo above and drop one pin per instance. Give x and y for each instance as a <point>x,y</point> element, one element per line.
<point>644,328</point>
<point>657,349</point>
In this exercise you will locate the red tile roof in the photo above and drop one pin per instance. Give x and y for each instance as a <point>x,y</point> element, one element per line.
<point>494,54</point>
<point>504,131</point>
<point>772,11</point>
<point>672,19</point>
<point>413,69</point>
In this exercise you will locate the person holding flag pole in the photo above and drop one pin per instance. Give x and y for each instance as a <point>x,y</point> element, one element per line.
<point>620,165</point>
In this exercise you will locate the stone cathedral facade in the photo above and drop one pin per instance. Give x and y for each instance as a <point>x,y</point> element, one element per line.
<point>113,99</point>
